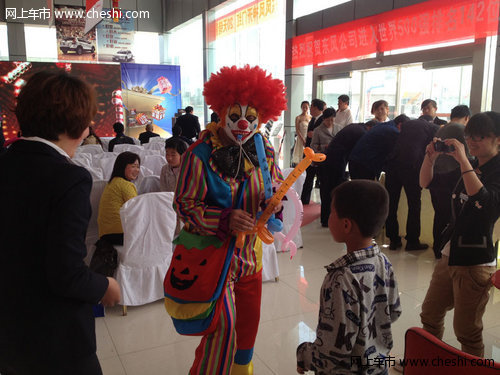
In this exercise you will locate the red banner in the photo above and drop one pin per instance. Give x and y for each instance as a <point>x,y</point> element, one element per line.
<point>434,21</point>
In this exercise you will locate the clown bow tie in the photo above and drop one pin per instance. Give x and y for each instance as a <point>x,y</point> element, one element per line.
<point>226,158</point>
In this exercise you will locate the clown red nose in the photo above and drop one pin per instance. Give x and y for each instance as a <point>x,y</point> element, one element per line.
<point>243,124</point>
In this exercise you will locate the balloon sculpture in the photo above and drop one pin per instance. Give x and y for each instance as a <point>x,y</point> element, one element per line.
<point>286,241</point>
<point>264,234</point>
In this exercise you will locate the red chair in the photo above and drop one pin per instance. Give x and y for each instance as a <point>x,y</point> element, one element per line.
<point>426,354</point>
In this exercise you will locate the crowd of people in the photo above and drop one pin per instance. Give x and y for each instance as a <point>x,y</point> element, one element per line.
<point>457,161</point>
<point>219,185</point>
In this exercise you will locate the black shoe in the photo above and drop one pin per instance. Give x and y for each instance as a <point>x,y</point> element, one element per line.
<point>416,246</point>
<point>394,245</point>
<point>324,225</point>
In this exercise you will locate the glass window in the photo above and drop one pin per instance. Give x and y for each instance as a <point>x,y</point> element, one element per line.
<point>308,78</point>
<point>146,48</point>
<point>304,7</point>
<point>184,47</point>
<point>4,43</point>
<point>262,44</point>
<point>333,88</point>
<point>446,88</point>
<point>41,43</point>
<point>379,84</point>
<point>415,88</point>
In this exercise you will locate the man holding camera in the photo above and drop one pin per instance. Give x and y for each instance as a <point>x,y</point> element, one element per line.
<point>403,169</point>
<point>449,170</point>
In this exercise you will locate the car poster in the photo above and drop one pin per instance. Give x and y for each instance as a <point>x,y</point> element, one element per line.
<point>151,94</point>
<point>72,43</point>
<point>115,39</point>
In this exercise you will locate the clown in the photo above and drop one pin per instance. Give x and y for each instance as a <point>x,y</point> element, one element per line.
<point>219,193</point>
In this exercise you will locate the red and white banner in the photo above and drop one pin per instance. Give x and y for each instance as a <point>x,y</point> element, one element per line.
<point>430,22</point>
<point>93,9</point>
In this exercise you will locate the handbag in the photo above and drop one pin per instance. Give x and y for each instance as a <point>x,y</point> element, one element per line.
<point>105,258</point>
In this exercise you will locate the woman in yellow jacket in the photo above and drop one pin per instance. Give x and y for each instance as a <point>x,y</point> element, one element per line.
<point>118,190</point>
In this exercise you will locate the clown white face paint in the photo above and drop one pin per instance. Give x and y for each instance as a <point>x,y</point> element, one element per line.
<point>242,121</point>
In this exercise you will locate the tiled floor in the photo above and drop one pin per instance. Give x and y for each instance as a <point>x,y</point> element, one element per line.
<point>145,343</point>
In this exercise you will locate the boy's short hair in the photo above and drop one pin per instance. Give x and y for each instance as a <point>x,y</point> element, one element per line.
<point>177,144</point>
<point>379,103</point>
<point>363,201</point>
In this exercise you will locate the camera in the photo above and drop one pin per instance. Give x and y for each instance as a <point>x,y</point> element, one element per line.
<point>440,146</point>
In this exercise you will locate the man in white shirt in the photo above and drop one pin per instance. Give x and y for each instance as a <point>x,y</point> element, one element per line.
<point>344,116</point>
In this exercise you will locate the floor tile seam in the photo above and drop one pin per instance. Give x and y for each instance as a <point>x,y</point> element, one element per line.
<point>111,338</point>
<point>264,362</point>
<point>147,349</point>
<point>287,316</point>
<point>181,340</point>
<point>301,293</point>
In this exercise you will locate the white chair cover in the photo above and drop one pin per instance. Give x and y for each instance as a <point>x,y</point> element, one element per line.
<point>105,155</point>
<point>145,153</point>
<point>106,165</point>
<point>299,183</point>
<point>126,147</point>
<point>93,230</point>
<point>83,160</point>
<point>96,173</point>
<point>148,222</point>
<point>270,268</point>
<point>289,210</point>
<point>149,184</point>
<point>89,149</point>
<point>142,173</point>
<point>157,140</point>
<point>105,142</point>
<point>154,145</point>
<point>154,162</point>
<point>136,141</point>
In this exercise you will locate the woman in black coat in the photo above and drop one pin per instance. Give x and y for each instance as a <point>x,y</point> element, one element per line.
<point>46,318</point>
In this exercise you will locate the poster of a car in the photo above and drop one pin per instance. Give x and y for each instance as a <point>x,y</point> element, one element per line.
<point>72,43</point>
<point>115,39</point>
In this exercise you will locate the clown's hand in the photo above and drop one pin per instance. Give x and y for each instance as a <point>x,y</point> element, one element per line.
<point>241,221</point>
<point>277,208</point>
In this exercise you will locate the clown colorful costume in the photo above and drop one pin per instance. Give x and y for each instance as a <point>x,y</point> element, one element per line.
<point>215,178</point>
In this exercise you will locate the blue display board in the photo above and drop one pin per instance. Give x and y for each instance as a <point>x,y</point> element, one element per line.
<point>151,94</point>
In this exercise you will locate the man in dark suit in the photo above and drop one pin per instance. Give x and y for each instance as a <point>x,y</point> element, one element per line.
<point>402,171</point>
<point>189,124</point>
<point>429,108</point>
<point>145,136</point>
<point>120,138</point>
<point>317,108</point>
<point>46,320</point>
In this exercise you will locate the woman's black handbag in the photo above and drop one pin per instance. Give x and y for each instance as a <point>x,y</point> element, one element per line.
<point>105,258</point>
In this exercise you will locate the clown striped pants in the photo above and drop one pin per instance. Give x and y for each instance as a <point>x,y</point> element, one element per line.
<point>234,338</point>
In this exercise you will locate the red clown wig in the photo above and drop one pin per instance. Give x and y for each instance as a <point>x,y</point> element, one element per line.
<point>246,86</point>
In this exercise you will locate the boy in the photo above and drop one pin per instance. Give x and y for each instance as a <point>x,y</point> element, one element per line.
<point>359,296</point>
<point>174,149</point>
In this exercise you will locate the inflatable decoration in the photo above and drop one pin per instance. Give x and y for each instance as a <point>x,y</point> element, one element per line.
<point>118,103</point>
<point>286,241</point>
<point>264,233</point>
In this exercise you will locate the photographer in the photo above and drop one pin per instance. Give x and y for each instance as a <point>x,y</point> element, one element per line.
<point>461,279</point>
